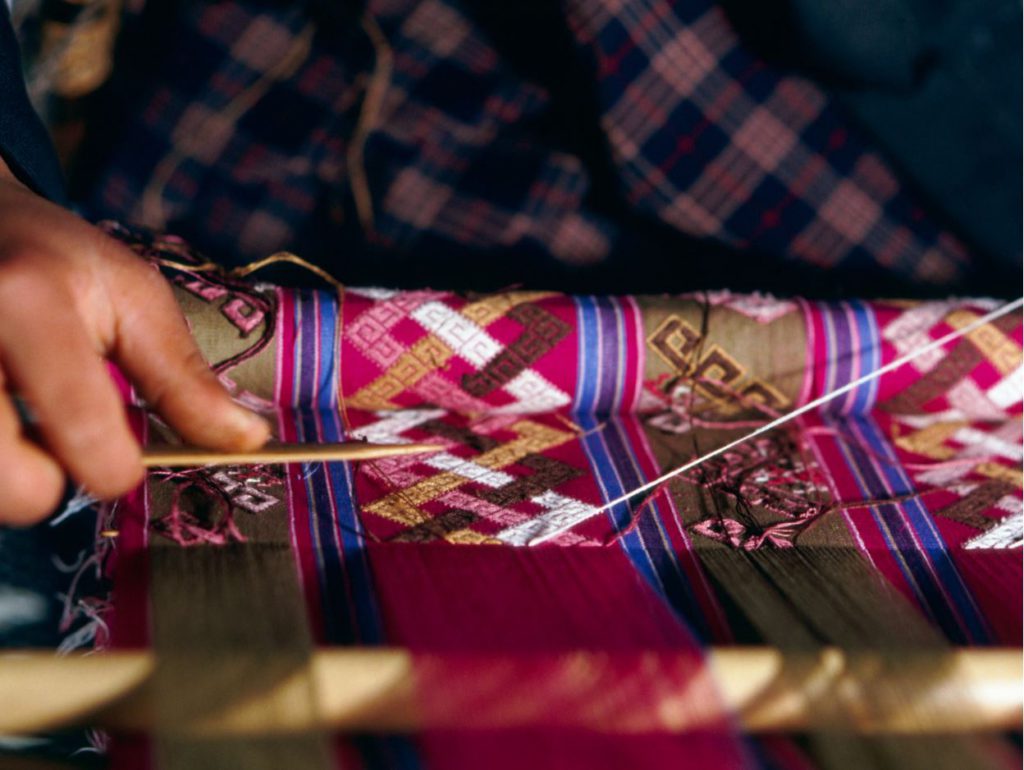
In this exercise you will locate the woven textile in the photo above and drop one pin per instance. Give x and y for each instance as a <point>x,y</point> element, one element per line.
<point>253,127</point>
<point>892,517</point>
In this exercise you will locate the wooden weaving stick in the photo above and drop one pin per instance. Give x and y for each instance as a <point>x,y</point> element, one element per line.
<point>173,456</point>
<point>394,690</point>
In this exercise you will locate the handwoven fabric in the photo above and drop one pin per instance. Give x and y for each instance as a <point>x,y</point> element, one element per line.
<point>890,518</point>
<point>252,126</point>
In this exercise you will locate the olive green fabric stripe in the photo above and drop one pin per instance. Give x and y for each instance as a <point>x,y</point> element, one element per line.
<point>808,597</point>
<point>229,622</point>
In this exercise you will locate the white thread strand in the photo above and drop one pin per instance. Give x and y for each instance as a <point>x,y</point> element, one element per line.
<point>810,406</point>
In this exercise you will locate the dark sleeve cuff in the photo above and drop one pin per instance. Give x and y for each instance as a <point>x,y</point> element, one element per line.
<point>24,142</point>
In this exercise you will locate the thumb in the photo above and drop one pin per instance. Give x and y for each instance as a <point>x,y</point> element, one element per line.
<point>154,348</point>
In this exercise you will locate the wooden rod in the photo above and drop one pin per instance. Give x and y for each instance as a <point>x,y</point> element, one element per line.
<point>395,690</point>
<point>172,456</point>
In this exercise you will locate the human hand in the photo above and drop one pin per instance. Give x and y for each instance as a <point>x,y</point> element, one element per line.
<point>70,297</point>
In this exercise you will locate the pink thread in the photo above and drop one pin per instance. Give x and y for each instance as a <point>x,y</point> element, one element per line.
<point>207,281</point>
<point>215,486</point>
<point>93,609</point>
<point>678,417</point>
<point>242,314</point>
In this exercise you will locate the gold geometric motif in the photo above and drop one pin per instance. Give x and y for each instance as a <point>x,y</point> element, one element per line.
<point>430,353</point>
<point>425,356</point>
<point>469,537</point>
<point>403,506</point>
<point>1002,351</point>
<point>930,441</point>
<point>1001,472</point>
<point>486,311</point>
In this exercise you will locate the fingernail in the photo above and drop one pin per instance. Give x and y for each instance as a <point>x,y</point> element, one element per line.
<point>250,422</point>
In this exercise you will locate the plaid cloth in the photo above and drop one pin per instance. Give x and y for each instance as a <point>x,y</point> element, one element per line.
<point>256,126</point>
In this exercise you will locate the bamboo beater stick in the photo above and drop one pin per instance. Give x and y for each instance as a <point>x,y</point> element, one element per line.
<point>174,456</point>
<point>395,690</point>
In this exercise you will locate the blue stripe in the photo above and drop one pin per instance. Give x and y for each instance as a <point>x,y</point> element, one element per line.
<point>648,546</point>
<point>602,350</point>
<point>933,549</point>
<point>348,598</point>
<point>913,562</point>
<point>898,523</point>
<point>328,383</point>
<point>870,356</point>
<point>845,354</point>
<point>586,381</point>
<point>612,368</point>
<point>340,556</point>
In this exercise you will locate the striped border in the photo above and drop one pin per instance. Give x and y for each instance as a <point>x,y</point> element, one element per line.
<point>901,539</point>
<point>611,330</point>
<point>610,359</point>
<point>846,344</point>
<point>332,559</point>
<point>333,564</point>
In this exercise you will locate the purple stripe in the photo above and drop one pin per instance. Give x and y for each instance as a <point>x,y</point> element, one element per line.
<point>843,354</point>
<point>608,325</point>
<point>306,315</point>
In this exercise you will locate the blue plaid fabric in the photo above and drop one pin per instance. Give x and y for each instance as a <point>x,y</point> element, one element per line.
<point>405,130</point>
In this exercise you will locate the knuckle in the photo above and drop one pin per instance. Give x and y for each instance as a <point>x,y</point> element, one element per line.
<point>152,285</point>
<point>23,282</point>
<point>88,435</point>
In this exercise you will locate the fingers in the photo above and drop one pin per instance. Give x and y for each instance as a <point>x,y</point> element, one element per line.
<point>51,361</point>
<point>31,483</point>
<point>154,348</point>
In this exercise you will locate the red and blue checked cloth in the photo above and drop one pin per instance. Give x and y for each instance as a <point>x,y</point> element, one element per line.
<point>407,133</point>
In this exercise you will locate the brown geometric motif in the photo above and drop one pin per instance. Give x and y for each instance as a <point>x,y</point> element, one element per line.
<point>487,310</point>
<point>403,506</point>
<point>430,353</point>
<point>437,528</point>
<point>969,510</point>
<point>459,434</point>
<point>957,364</point>
<point>550,473</point>
<point>541,332</point>
<point>717,366</point>
<point>676,342</point>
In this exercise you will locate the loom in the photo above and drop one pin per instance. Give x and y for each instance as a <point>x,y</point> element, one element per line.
<point>843,590</point>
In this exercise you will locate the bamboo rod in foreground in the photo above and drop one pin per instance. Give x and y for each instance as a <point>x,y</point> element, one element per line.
<point>394,690</point>
<point>175,456</point>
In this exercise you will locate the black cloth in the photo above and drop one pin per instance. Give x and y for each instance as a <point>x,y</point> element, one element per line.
<point>937,84</point>
<point>24,143</point>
